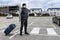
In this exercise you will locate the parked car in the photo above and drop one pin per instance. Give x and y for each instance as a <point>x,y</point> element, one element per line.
<point>46,14</point>
<point>9,16</point>
<point>56,19</point>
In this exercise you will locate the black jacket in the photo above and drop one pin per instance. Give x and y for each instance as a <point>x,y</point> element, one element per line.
<point>24,13</point>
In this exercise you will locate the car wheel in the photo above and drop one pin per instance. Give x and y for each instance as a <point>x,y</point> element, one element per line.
<point>53,21</point>
<point>58,22</point>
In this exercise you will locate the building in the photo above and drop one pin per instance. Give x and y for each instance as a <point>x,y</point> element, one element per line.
<point>4,10</point>
<point>7,9</point>
<point>9,6</point>
<point>36,11</point>
<point>53,11</point>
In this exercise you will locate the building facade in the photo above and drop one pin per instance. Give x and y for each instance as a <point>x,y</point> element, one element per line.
<point>4,10</point>
<point>36,11</point>
<point>7,9</point>
<point>53,11</point>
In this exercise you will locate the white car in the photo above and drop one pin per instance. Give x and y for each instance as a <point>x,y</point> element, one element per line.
<point>9,16</point>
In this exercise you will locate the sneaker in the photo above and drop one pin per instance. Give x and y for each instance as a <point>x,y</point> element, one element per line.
<point>27,33</point>
<point>20,34</point>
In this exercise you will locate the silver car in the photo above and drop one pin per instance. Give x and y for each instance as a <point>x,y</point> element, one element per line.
<point>9,16</point>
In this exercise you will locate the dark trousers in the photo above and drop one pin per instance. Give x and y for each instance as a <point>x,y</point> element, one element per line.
<point>23,23</point>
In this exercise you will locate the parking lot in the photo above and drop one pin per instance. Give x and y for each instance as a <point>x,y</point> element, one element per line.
<point>40,28</point>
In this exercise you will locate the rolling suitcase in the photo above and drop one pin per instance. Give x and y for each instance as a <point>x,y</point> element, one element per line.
<point>9,29</point>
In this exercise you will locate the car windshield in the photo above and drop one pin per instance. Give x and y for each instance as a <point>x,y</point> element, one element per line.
<point>57,14</point>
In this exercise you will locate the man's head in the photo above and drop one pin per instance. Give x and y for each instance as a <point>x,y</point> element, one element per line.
<point>24,5</point>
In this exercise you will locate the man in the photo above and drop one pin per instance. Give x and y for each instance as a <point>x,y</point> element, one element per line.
<point>24,18</point>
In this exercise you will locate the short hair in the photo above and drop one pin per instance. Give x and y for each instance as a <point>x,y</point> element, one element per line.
<point>23,4</point>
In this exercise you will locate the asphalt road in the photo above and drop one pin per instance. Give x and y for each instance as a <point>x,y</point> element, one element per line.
<point>40,28</point>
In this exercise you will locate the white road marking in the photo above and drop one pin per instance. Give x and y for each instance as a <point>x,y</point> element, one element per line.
<point>51,24</point>
<point>51,31</point>
<point>16,32</point>
<point>54,26</point>
<point>47,35</point>
<point>35,31</point>
<point>13,35</point>
<point>30,24</point>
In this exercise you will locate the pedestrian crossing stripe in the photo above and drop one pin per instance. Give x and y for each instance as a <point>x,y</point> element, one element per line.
<point>51,31</point>
<point>35,31</point>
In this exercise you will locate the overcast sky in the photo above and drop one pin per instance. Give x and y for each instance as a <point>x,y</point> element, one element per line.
<point>35,3</point>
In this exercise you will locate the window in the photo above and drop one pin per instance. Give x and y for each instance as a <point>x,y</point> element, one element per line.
<point>51,9</point>
<point>32,10</point>
<point>57,9</point>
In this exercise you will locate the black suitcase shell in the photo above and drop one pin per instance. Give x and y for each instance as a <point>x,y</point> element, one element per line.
<point>9,29</point>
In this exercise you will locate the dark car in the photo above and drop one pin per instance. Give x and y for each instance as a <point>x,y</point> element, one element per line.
<point>56,19</point>
<point>46,14</point>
